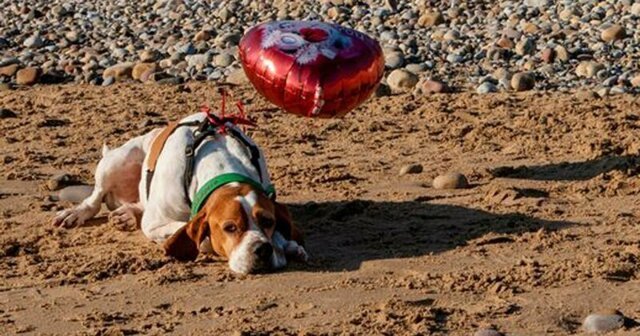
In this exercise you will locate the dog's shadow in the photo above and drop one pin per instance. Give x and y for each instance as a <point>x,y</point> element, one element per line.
<point>342,235</point>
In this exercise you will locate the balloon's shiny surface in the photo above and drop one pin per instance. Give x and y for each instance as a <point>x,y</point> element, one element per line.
<point>311,68</point>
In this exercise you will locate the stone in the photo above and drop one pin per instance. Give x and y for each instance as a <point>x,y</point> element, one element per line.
<point>9,70</point>
<point>237,77</point>
<point>223,60</point>
<point>635,9</point>
<point>60,181</point>
<point>525,46</point>
<point>401,80</point>
<point>198,60</point>
<point>34,41</point>
<point>430,19</point>
<point>410,169</point>
<point>149,56</point>
<point>28,76</point>
<point>383,90</point>
<point>71,36</point>
<point>523,81</point>
<point>450,181</point>
<point>394,60</point>
<point>603,322</point>
<point>430,86</point>
<point>548,55</point>
<point>636,81</point>
<point>119,72</point>
<point>416,68</point>
<point>486,87</point>
<point>561,54</point>
<point>505,42</point>
<point>392,5</point>
<point>203,35</point>
<point>487,332</point>
<point>586,95</point>
<point>143,69</point>
<point>6,113</point>
<point>613,33</point>
<point>588,69</point>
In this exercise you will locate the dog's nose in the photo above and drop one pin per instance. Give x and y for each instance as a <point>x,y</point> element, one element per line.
<point>264,252</point>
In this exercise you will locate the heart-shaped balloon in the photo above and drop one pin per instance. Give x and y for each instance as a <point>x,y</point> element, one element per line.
<point>311,68</point>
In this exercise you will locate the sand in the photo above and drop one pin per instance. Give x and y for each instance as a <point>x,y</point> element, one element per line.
<point>546,234</point>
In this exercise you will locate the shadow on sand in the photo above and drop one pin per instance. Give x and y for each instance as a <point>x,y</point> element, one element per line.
<point>342,235</point>
<point>571,171</point>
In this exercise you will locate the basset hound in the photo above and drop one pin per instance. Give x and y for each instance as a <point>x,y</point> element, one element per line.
<point>195,186</point>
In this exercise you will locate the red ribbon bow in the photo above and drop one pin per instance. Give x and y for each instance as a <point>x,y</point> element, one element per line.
<point>236,119</point>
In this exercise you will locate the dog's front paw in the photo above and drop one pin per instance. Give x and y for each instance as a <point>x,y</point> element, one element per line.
<point>70,218</point>
<point>125,218</point>
<point>296,252</point>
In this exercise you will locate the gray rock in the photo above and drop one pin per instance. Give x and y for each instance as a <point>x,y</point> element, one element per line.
<point>394,60</point>
<point>603,322</point>
<point>486,87</point>
<point>401,80</point>
<point>34,41</point>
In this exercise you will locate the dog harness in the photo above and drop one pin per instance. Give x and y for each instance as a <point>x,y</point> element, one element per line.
<point>211,126</point>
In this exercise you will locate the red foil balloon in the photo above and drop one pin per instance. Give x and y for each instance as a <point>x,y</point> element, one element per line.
<point>311,68</point>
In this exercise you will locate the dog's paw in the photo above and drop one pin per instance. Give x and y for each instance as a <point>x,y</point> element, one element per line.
<point>70,218</point>
<point>296,252</point>
<point>124,218</point>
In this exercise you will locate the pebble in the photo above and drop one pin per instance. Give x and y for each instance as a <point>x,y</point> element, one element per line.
<point>143,70</point>
<point>223,60</point>
<point>562,54</point>
<point>28,76</point>
<point>487,332</point>
<point>430,19</point>
<point>237,77</point>
<point>9,70</point>
<point>394,60</point>
<point>401,80</point>
<point>120,71</point>
<point>34,41</point>
<point>525,47</point>
<point>6,113</point>
<point>588,69</point>
<point>486,87</point>
<point>548,55</point>
<point>430,86</point>
<point>635,9</point>
<point>603,322</point>
<point>450,181</point>
<point>523,81</point>
<point>411,169</point>
<point>613,33</point>
<point>636,81</point>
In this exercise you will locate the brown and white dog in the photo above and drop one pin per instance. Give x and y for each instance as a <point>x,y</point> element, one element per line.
<point>237,221</point>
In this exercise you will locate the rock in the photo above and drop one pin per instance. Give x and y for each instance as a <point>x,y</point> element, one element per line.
<point>59,181</point>
<point>34,41</point>
<point>237,77</point>
<point>505,42</point>
<point>613,33</point>
<point>75,194</point>
<point>586,95</point>
<point>401,80</point>
<point>430,86</point>
<point>562,54</point>
<point>588,69</point>
<point>28,76</point>
<point>525,47</point>
<point>636,81</point>
<point>203,35</point>
<point>9,70</point>
<point>548,55</point>
<point>223,60</point>
<point>523,81</point>
<point>603,322</point>
<point>198,60</point>
<point>383,90</point>
<point>635,9</point>
<point>119,72</point>
<point>72,36</point>
<point>430,19</point>
<point>392,5</point>
<point>410,169</point>
<point>143,69</point>
<point>6,113</point>
<point>394,60</point>
<point>487,332</point>
<point>450,181</point>
<point>416,68</point>
<point>147,56</point>
<point>106,81</point>
<point>486,87</point>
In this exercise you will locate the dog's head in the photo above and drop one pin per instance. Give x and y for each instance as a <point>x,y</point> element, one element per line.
<point>242,224</point>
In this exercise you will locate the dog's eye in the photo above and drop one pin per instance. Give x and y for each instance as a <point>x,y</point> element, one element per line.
<point>265,222</point>
<point>230,227</point>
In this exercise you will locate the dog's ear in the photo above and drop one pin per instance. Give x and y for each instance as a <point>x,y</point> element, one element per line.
<point>284,224</point>
<point>183,245</point>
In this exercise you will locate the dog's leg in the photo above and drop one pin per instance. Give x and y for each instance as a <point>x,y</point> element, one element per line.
<point>283,249</point>
<point>127,217</point>
<point>117,177</point>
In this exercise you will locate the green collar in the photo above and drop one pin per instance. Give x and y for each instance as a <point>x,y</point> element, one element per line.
<point>212,185</point>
